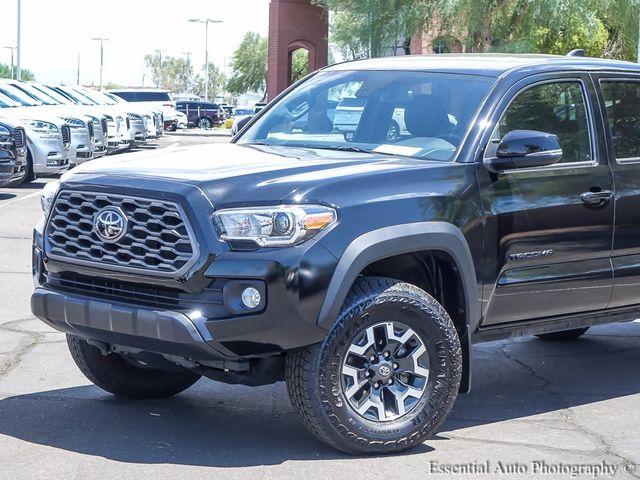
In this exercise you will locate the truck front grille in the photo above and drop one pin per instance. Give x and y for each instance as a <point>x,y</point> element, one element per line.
<point>157,239</point>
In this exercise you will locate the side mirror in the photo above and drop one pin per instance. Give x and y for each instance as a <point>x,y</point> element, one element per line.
<point>525,149</point>
<point>240,123</point>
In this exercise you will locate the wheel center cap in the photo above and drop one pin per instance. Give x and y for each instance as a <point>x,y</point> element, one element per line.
<point>384,371</point>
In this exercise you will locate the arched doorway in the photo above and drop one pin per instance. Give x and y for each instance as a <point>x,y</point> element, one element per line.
<point>295,27</point>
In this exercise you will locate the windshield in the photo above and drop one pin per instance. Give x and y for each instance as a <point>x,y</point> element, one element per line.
<point>53,94</point>
<point>6,102</point>
<point>18,96</point>
<point>115,98</point>
<point>97,97</point>
<point>75,95</point>
<point>35,94</point>
<point>409,113</point>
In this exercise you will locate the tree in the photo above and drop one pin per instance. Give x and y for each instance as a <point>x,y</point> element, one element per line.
<point>249,66</point>
<point>366,28</point>
<point>175,74</point>
<point>5,72</point>
<point>299,64</point>
<point>216,82</point>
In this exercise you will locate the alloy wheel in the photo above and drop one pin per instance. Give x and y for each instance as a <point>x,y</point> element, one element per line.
<point>385,371</point>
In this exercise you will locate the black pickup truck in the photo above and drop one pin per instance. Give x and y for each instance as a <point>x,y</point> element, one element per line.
<point>13,152</point>
<point>357,267</point>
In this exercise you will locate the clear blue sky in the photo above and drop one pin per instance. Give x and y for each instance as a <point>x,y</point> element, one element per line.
<point>55,31</point>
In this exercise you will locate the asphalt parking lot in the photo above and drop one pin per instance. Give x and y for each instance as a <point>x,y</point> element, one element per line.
<point>537,410</point>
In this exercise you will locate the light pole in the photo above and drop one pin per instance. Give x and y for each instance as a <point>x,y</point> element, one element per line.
<point>189,72</point>
<point>206,22</point>
<point>159,52</point>
<point>12,49</point>
<point>101,40</point>
<point>18,46</point>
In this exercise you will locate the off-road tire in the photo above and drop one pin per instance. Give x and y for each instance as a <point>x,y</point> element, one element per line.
<point>564,335</point>
<point>313,373</point>
<point>122,377</point>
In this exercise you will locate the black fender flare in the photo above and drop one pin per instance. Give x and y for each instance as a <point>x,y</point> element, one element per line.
<point>400,239</point>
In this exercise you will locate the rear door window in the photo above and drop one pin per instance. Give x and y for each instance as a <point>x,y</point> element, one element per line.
<point>622,103</point>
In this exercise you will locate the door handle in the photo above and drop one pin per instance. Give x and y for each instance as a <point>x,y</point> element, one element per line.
<point>596,198</point>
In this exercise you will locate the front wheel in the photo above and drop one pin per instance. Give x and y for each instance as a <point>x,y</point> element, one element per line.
<point>387,374</point>
<point>205,123</point>
<point>125,378</point>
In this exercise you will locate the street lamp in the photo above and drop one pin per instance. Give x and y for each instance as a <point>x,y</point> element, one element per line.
<point>18,42</point>
<point>206,22</point>
<point>101,40</point>
<point>159,52</point>
<point>12,49</point>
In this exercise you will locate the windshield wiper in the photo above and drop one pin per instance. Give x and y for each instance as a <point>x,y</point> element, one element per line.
<point>350,148</point>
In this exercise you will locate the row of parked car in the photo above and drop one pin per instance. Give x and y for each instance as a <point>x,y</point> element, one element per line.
<point>46,128</point>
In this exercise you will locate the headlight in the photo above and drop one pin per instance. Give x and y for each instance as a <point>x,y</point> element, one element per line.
<point>74,122</point>
<point>40,126</point>
<point>46,196</point>
<point>134,116</point>
<point>273,226</point>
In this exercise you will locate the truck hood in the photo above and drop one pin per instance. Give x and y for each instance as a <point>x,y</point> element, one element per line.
<point>231,174</point>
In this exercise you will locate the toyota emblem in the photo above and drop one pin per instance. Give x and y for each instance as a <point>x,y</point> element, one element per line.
<point>110,224</point>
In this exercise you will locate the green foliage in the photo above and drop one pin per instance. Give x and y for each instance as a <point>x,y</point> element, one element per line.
<point>112,86</point>
<point>299,64</point>
<point>249,66</point>
<point>175,74</point>
<point>216,83</point>
<point>5,72</point>
<point>364,28</point>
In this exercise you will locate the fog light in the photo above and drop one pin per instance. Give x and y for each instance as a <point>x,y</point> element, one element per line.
<point>251,297</point>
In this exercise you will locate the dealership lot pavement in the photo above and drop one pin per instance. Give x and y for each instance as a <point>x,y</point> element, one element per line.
<point>536,407</point>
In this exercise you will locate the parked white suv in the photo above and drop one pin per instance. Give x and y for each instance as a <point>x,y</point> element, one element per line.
<point>154,98</point>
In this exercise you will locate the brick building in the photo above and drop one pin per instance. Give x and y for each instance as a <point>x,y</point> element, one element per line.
<point>295,24</point>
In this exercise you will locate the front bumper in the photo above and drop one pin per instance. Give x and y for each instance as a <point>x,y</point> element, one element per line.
<point>82,146</point>
<point>10,167</point>
<point>165,332</point>
<point>196,316</point>
<point>49,155</point>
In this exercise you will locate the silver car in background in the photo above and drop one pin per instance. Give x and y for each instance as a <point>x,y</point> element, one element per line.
<point>48,139</point>
<point>152,98</point>
<point>82,128</point>
<point>155,124</point>
<point>55,100</point>
<point>117,129</point>
<point>137,120</point>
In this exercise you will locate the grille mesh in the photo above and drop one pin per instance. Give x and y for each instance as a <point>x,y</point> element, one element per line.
<point>19,137</point>
<point>157,238</point>
<point>66,134</point>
